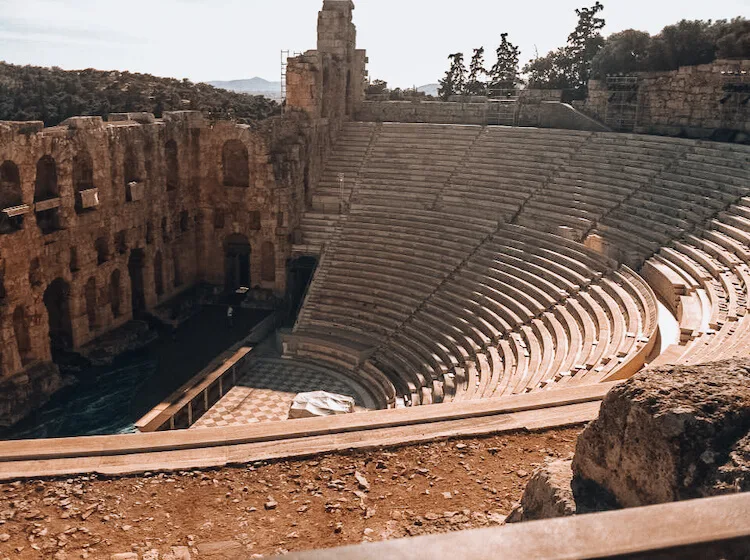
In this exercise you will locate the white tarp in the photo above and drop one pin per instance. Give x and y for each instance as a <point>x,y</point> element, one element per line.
<point>320,403</point>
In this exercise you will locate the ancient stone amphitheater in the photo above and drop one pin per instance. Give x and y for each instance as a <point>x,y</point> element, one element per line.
<point>475,262</point>
<point>506,276</point>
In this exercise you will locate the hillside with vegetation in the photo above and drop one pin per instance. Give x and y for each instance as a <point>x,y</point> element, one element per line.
<point>52,95</point>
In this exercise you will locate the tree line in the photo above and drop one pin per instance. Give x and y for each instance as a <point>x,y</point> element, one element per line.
<point>53,95</point>
<point>588,54</point>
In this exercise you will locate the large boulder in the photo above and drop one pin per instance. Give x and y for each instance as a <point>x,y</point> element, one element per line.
<point>671,433</point>
<point>548,494</point>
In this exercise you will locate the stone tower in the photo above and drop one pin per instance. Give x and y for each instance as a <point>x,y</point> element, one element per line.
<point>329,82</point>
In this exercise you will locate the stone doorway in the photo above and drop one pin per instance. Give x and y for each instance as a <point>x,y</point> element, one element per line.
<point>237,262</point>
<point>299,275</point>
<point>57,302</point>
<point>136,264</point>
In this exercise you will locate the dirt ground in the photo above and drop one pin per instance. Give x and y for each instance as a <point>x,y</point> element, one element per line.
<point>272,508</point>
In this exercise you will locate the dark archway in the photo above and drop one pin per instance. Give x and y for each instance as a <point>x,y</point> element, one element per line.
<point>136,263</point>
<point>158,275</point>
<point>237,258</point>
<point>267,262</point>
<point>115,293</point>
<point>83,171</point>
<point>90,296</point>
<point>299,275</point>
<point>21,330</point>
<point>46,188</point>
<point>173,165</point>
<point>10,185</point>
<point>83,179</point>
<point>235,164</point>
<point>57,301</point>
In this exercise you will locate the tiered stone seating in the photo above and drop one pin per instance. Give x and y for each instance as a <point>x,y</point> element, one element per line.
<point>456,271</point>
<point>704,278</point>
<point>602,174</point>
<point>505,167</point>
<point>409,164</point>
<point>345,162</point>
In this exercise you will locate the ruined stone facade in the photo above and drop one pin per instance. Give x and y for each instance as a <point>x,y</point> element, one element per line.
<point>103,220</point>
<point>694,101</point>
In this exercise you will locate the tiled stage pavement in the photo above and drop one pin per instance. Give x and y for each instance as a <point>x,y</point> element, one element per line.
<point>267,390</point>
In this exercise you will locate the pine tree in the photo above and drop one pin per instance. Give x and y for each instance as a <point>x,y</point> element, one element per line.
<point>454,82</point>
<point>504,75</point>
<point>475,85</point>
<point>584,44</point>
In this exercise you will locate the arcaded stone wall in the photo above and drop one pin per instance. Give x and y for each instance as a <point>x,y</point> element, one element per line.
<point>694,101</point>
<point>163,204</point>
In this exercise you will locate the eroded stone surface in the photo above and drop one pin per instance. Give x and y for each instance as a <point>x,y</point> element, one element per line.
<point>671,433</point>
<point>548,494</point>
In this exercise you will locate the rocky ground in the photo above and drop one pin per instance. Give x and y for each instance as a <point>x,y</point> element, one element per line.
<point>271,508</point>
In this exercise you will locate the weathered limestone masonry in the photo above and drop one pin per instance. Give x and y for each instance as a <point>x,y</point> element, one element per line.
<point>533,107</point>
<point>694,101</point>
<point>99,221</point>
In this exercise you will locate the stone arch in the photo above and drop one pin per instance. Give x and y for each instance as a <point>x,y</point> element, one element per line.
<point>45,186</point>
<point>131,169</point>
<point>89,293</point>
<point>83,171</point>
<point>136,265</point>
<point>267,262</point>
<point>237,262</point>
<point>173,165</point>
<point>10,185</point>
<point>57,302</point>
<point>158,274</point>
<point>21,331</point>
<point>235,164</point>
<point>115,293</point>
<point>102,250</point>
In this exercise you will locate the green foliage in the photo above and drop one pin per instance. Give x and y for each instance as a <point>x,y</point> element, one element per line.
<point>686,43</point>
<point>504,75</point>
<point>53,95</point>
<point>569,67</point>
<point>377,87</point>
<point>623,53</point>
<point>454,82</point>
<point>474,84</point>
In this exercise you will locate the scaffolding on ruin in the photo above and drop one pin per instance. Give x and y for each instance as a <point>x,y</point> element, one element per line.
<point>623,105</point>
<point>502,107</point>
<point>285,55</point>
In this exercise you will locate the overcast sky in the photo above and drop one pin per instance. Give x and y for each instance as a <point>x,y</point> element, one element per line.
<point>407,40</point>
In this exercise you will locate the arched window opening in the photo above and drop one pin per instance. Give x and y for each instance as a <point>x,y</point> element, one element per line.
<point>21,330</point>
<point>134,189</point>
<point>57,302</point>
<point>237,262</point>
<point>173,165</point>
<point>115,294</point>
<point>268,262</point>
<point>235,164</point>
<point>87,197</point>
<point>46,195</point>
<point>90,295</point>
<point>184,221</point>
<point>102,250</point>
<point>158,274</point>
<point>10,185</point>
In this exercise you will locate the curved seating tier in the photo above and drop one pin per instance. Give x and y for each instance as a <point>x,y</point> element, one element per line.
<point>461,259</point>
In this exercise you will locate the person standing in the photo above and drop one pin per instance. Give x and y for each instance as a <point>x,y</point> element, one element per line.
<point>230,317</point>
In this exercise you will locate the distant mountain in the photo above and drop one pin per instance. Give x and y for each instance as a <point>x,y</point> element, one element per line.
<point>52,95</point>
<point>254,86</point>
<point>429,89</point>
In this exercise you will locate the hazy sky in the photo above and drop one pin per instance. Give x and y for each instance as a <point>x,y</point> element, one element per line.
<point>407,40</point>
